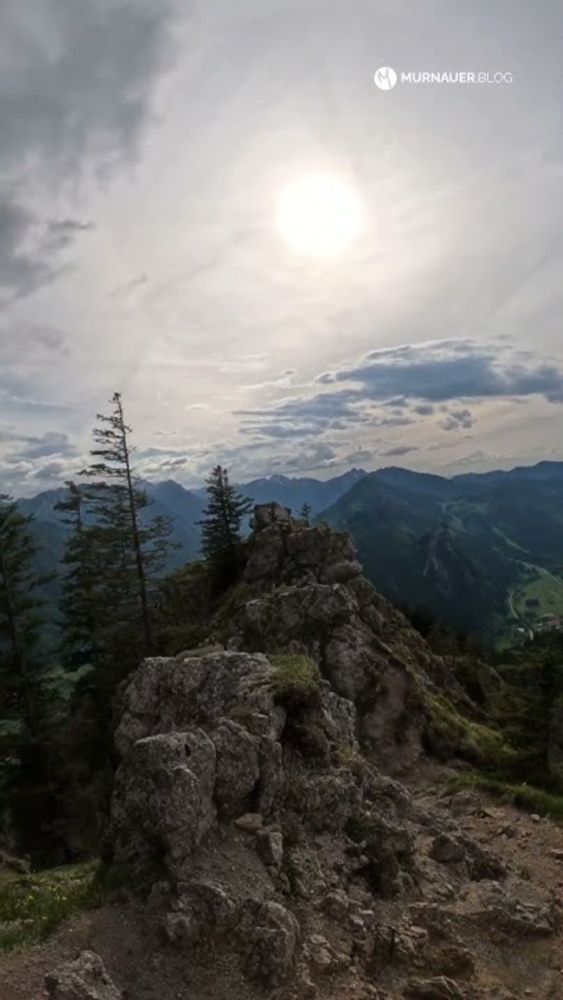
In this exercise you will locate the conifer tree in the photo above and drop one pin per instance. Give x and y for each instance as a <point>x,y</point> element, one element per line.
<point>221,524</point>
<point>20,619</point>
<point>305,512</point>
<point>82,579</point>
<point>130,551</point>
<point>24,748</point>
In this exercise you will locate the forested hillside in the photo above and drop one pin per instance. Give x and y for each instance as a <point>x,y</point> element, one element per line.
<point>483,553</point>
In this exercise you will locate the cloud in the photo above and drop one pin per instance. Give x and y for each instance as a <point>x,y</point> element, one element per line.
<point>75,86</point>
<point>30,249</point>
<point>79,78</point>
<point>457,420</point>
<point>452,369</point>
<point>400,449</point>
<point>50,443</point>
<point>37,341</point>
<point>319,456</point>
<point>50,471</point>
<point>410,380</point>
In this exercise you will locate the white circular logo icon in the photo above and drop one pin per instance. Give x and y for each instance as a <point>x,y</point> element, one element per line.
<point>385,78</point>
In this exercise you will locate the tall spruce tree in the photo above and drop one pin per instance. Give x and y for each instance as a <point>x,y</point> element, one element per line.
<point>80,588</point>
<point>24,749</point>
<point>305,512</point>
<point>20,619</point>
<point>221,524</point>
<point>130,549</point>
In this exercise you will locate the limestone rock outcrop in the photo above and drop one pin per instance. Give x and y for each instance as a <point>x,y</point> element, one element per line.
<point>85,978</point>
<point>307,594</point>
<point>252,785</point>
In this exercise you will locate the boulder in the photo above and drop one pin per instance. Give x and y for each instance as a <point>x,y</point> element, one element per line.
<point>171,694</point>
<point>203,908</point>
<point>85,978</point>
<point>462,851</point>
<point>237,768</point>
<point>268,935</point>
<point>162,804</point>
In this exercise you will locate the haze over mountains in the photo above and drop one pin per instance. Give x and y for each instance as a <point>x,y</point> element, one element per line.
<point>483,552</point>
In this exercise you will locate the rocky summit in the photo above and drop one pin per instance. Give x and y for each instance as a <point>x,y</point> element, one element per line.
<point>278,796</point>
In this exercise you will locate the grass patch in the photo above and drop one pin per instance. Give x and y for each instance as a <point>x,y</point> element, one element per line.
<point>524,796</point>
<point>32,906</point>
<point>296,681</point>
<point>450,732</point>
<point>545,590</point>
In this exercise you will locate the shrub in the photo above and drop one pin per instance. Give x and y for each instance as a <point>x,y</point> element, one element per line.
<point>296,681</point>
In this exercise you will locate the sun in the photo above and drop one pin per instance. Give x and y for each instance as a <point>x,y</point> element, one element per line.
<point>319,215</point>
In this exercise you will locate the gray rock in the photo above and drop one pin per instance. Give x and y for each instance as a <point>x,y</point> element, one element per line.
<point>268,935</point>
<point>162,803</point>
<point>327,801</point>
<point>514,915</point>
<point>171,695</point>
<point>270,847</point>
<point>390,850</point>
<point>440,988</point>
<point>85,978</point>
<point>203,908</point>
<point>463,851</point>
<point>238,767</point>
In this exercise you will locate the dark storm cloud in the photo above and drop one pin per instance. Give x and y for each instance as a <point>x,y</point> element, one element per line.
<point>452,370</point>
<point>410,380</point>
<point>21,270</point>
<point>79,78</point>
<point>29,249</point>
<point>74,96</point>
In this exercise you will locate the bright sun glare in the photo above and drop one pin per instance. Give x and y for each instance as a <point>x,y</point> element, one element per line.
<point>319,215</point>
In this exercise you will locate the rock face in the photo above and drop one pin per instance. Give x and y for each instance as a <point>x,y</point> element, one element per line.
<point>83,979</point>
<point>177,777</point>
<point>310,597</point>
<point>251,779</point>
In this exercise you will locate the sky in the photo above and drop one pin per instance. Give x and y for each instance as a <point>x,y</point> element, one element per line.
<point>144,149</point>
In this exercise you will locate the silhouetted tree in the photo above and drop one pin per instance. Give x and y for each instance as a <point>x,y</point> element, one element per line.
<point>221,526</point>
<point>305,512</point>
<point>130,550</point>
<point>24,750</point>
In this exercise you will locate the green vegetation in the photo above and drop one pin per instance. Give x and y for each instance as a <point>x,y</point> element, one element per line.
<point>524,796</point>
<point>221,527</point>
<point>58,679</point>
<point>450,731</point>
<point>541,595</point>
<point>460,546</point>
<point>32,906</point>
<point>296,681</point>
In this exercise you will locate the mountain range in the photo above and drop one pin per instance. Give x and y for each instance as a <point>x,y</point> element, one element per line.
<point>482,552</point>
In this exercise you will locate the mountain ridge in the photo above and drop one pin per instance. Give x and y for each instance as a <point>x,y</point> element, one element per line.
<point>479,554</point>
